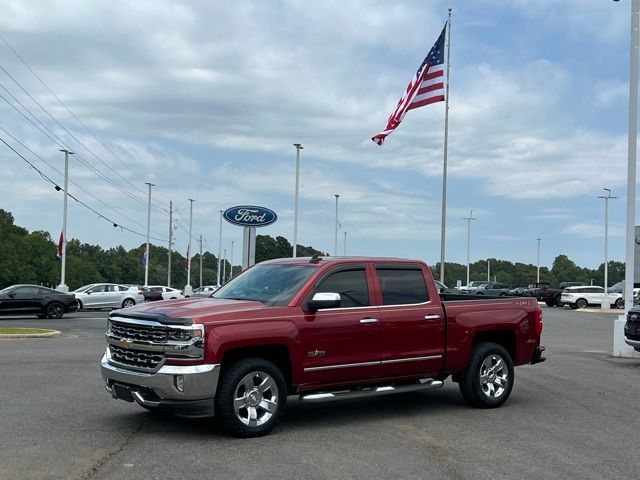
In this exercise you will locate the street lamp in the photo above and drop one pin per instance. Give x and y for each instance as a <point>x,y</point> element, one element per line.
<point>468,219</point>
<point>605,301</point>
<point>538,269</point>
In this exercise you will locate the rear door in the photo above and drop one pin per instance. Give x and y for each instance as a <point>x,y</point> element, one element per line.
<point>412,323</point>
<point>342,344</point>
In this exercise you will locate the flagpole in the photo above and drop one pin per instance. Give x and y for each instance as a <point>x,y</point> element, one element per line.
<point>444,167</point>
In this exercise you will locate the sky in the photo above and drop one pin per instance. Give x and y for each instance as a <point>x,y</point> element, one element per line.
<point>205,100</point>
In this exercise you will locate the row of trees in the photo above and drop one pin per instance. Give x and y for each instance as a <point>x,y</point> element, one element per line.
<point>30,258</point>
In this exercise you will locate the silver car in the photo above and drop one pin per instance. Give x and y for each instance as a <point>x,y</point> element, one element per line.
<point>205,291</point>
<point>108,295</point>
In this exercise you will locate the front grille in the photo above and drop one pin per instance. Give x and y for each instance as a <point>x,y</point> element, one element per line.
<point>135,358</point>
<point>147,334</point>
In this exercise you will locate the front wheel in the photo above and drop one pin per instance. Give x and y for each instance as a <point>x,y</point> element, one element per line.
<point>251,397</point>
<point>559,303</point>
<point>619,303</point>
<point>488,379</point>
<point>55,310</point>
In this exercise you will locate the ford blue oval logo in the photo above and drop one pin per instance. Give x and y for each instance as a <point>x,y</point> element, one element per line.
<point>250,216</point>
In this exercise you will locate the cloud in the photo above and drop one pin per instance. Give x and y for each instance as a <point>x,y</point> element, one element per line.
<point>593,230</point>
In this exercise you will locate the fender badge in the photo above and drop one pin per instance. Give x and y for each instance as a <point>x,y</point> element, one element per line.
<point>317,353</point>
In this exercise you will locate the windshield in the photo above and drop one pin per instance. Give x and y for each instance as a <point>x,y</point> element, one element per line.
<point>5,290</point>
<point>86,287</point>
<point>271,284</point>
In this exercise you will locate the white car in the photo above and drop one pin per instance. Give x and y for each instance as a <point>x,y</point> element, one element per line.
<point>581,297</point>
<point>473,286</point>
<point>108,295</point>
<point>168,293</point>
<point>205,291</point>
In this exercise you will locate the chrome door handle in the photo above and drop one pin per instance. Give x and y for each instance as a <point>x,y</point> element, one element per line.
<point>432,317</point>
<point>369,320</point>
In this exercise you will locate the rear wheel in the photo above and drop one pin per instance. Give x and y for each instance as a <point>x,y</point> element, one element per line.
<point>251,397</point>
<point>549,303</point>
<point>129,302</point>
<point>581,303</point>
<point>559,303</point>
<point>488,379</point>
<point>619,303</point>
<point>55,310</point>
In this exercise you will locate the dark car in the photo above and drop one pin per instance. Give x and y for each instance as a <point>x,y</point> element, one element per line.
<point>33,299</point>
<point>538,289</point>
<point>632,328</point>
<point>552,296</point>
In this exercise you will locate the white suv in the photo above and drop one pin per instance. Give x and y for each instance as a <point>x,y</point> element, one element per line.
<point>581,297</point>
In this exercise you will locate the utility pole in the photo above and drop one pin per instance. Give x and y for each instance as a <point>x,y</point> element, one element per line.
<point>335,239</point>
<point>188,289</point>
<point>219,250</point>
<point>231,273</point>
<point>538,269</point>
<point>468,219</point>
<point>146,252</point>
<point>344,247</point>
<point>605,303</point>
<point>170,242</point>
<point>488,270</point>
<point>63,286</point>
<point>224,266</point>
<point>201,260</point>
<point>295,203</point>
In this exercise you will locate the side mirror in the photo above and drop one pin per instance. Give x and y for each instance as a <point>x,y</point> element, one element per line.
<point>88,292</point>
<point>12,295</point>
<point>323,300</point>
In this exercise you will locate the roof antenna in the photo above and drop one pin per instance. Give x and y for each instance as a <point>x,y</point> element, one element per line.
<point>315,259</point>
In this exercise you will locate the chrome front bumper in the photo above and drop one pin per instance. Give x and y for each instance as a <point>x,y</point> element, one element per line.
<point>199,382</point>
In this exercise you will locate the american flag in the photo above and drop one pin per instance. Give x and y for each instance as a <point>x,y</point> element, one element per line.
<point>425,88</point>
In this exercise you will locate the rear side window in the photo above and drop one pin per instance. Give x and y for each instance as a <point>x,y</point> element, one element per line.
<point>350,284</point>
<point>402,286</point>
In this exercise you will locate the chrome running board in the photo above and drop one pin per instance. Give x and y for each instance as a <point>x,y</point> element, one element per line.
<point>423,384</point>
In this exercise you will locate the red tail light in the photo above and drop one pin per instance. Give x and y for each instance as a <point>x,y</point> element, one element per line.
<point>538,321</point>
<point>141,293</point>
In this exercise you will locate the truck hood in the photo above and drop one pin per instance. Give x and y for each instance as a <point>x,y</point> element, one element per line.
<point>189,310</point>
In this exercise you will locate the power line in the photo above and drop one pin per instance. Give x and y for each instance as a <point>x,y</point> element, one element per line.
<point>57,187</point>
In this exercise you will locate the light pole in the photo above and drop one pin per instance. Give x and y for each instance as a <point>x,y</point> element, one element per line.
<point>200,271</point>
<point>219,250</point>
<point>335,237</point>
<point>295,201</point>
<point>170,243</point>
<point>188,290</point>
<point>224,266</point>
<point>146,252</point>
<point>231,268</point>
<point>488,270</point>
<point>605,302</point>
<point>63,286</point>
<point>344,247</point>
<point>468,219</point>
<point>538,268</point>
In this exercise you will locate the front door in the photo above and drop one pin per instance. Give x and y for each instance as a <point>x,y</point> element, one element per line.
<point>342,344</point>
<point>412,326</point>
<point>95,297</point>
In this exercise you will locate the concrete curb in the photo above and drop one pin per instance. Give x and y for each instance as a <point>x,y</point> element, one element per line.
<point>48,334</point>
<point>617,311</point>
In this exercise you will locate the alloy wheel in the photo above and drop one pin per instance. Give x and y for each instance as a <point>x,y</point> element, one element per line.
<point>494,376</point>
<point>255,399</point>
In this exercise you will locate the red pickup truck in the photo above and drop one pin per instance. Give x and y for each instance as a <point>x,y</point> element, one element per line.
<point>320,328</point>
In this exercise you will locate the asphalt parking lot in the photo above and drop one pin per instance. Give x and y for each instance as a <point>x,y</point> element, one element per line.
<point>574,416</point>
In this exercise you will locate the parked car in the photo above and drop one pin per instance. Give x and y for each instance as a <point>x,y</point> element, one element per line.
<point>168,293</point>
<point>493,289</point>
<point>581,297</point>
<point>108,295</point>
<point>148,294</point>
<point>632,328</point>
<point>33,299</point>
<point>323,329</point>
<point>538,289</point>
<point>519,292</point>
<point>471,287</point>
<point>553,296</point>
<point>205,291</point>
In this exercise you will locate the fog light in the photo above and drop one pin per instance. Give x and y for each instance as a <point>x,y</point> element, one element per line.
<point>178,380</point>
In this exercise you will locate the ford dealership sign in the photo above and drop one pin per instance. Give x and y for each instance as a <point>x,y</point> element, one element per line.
<point>250,216</point>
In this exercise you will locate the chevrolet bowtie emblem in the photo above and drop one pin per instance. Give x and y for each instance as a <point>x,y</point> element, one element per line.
<point>125,343</point>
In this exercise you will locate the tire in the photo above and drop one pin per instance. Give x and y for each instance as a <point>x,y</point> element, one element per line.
<point>550,304</point>
<point>488,379</point>
<point>559,303</point>
<point>503,294</point>
<point>128,302</point>
<point>55,310</point>
<point>581,303</point>
<point>79,305</point>
<point>619,303</point>
<point>268,388</point>
<point>573,307</point>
